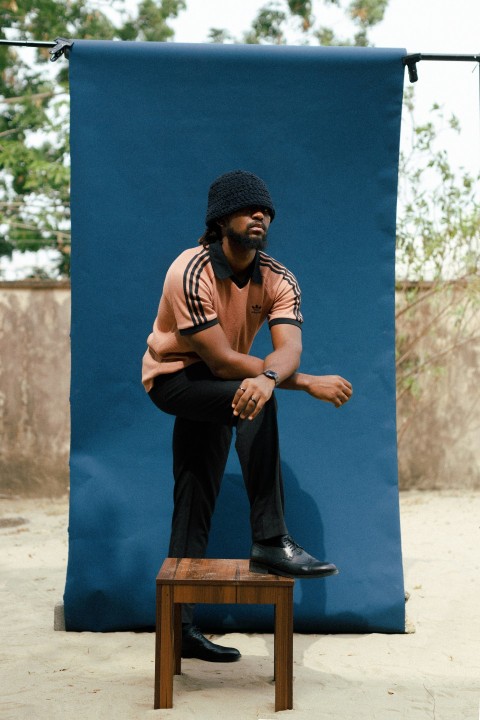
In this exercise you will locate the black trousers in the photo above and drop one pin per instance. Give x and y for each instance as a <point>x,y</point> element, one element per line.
<point>202,404</point>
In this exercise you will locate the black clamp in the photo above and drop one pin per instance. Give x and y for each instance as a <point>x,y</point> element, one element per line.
<point>411,62</point>
<point>62,47</point>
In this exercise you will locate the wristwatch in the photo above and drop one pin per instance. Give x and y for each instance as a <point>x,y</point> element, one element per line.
<point>272,375</point>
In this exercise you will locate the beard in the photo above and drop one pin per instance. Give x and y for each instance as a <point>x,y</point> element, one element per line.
<point>245,241</point>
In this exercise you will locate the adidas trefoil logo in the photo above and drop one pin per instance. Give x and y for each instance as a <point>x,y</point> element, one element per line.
<point>256,309</point>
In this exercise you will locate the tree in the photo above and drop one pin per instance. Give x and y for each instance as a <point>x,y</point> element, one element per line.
<point>34,147</point>
<point>279,22</point>
<point>438,265</point>
<point>34,138</point>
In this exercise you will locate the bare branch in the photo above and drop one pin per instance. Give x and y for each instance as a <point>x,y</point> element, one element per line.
<point>423,334</point>
<point>439,355</point>
<point>435,288</point>
<point>34,96</point>
<point>52,231</point>
<point>10,132</point>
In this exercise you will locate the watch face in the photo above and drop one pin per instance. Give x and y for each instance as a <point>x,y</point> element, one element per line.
<point>272,375</point>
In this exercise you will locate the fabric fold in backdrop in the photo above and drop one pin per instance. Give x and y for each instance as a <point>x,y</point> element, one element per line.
<point>152,124</point>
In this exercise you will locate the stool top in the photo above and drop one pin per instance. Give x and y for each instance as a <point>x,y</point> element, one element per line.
<point>215,572</point>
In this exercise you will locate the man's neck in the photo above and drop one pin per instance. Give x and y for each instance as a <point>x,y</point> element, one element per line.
<point>239,258</point>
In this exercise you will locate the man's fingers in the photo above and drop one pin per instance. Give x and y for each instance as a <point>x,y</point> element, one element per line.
<point>250,397</point>
<point>341,399</point>
<point>237,403</point>
<point>252,408</point>
<point>244,406</point>
<point>238,396</point>
<point>345,391</point>
<point>345,385</point>
<point>248,407</point>
<point>240,406</point>
<point>257,408</point>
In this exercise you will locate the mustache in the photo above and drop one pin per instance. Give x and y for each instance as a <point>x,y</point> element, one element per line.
<point>257,224</point>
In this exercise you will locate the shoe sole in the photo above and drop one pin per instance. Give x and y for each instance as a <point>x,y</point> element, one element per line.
<point>259,569</point>
<point>190,656</point>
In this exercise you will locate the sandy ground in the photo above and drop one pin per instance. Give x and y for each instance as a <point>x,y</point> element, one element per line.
<point>431,673</point>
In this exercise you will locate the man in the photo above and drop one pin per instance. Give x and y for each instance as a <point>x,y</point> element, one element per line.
<point>197,367</point>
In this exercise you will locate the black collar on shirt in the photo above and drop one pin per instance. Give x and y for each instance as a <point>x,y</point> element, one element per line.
<point>222,269</point>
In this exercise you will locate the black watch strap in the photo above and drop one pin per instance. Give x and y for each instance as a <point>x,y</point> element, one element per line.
<point>272,375</point>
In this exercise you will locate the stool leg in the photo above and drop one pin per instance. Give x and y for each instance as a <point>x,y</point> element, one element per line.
<point>177,624</point>
<point>164,660</point>
<point>283,650</point>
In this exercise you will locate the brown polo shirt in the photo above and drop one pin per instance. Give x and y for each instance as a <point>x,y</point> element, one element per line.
<point>201,290</point>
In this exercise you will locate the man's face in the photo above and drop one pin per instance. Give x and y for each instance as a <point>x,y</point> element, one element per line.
<point>248,227</point>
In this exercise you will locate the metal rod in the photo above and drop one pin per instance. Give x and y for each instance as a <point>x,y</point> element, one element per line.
<point>455,58</point>
<point>28,43</point>
<point>60,47</point>
<point>411,61</point>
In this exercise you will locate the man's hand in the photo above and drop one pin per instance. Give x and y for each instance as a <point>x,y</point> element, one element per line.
<point>251,396</point>
<point>331,388</point>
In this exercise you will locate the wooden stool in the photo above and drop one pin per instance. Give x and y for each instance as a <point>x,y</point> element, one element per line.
<point>189,580</point>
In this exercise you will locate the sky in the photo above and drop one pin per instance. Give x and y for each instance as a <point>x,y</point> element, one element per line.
<point>425,26</point>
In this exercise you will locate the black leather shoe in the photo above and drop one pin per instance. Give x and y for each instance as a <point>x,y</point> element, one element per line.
<point>289,560</point>
<point>196,645</point>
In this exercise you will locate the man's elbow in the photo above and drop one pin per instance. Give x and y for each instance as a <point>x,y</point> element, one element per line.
<point>220,368</point>
<point>217,370</point>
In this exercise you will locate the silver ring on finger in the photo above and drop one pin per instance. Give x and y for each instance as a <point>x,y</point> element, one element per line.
<point>253,400</point>
<point>242,389</point>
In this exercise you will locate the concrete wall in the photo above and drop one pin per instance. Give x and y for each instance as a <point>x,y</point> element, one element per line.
<point>34,387</point>
<point>438,424</point>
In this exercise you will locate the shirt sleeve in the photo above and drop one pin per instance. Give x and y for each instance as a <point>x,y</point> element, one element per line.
<point>286,306</point>
<point>188,289</point>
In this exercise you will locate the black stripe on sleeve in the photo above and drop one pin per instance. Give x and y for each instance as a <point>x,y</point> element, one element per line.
<point>284,321</point>
<point>190,298</point>
<point>199,328</point>
<point>194,285</point>
<point>279,269</point>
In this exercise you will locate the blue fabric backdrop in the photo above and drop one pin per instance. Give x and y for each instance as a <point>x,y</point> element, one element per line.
<point>152,124</point>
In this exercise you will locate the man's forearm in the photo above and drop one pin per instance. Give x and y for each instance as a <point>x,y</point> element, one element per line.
<point>297,381</point>
<point>238,366</point>
<point>284,361</point>
<point>331,388</point>
<point>213,347</point>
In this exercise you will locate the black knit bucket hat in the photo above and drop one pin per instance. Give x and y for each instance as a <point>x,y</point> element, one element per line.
<point>235,190</point>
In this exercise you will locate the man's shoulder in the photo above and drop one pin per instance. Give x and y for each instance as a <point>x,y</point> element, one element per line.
<point>188,257</point>
<point>271,264</point>
<point>189,263</point>
<point>192,252</point>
